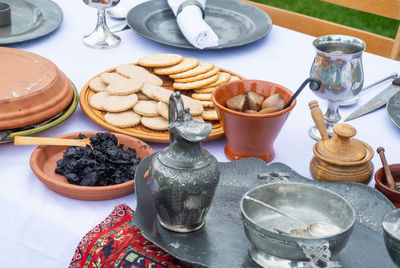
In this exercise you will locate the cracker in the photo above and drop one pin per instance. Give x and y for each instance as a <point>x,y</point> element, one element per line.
<point>223,77</point>
<point>97,100</point>
<point>201,96</point>
<point>156,93</point>
<point>203,67</point>
<point>155,123</point>
<point>162,109</point>
<point>146,108</point>
<point>210,114</point>
<point>141,96</point>
<point>198,118</point>
<point>139,73</point>
<point>123,119</point>
<point>195,107</point>
<point>160,60</point>
<point>207,104</point>
<point>196,84</point>
<point>202,76</point>
<point>205,90</point>
<point>124,87</point>
<point>97,84</point>
<point>185,65</point>
<point>234,78</point>
<point>116,104</point>
<point>111,77</point>
<point>152,80</point>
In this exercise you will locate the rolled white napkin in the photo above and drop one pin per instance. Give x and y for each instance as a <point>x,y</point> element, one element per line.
<point>192,25</point>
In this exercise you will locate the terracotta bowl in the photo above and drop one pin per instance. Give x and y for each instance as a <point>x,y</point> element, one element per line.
<point>43,163</point>
<point>250,135</point>
<point>32,89</point>
<point>381,185</point>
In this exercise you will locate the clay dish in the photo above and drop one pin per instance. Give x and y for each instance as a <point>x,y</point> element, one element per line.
<point>250,135</point>
<point>381,184</point>
<point>32,89</point>
<point>43,163</point>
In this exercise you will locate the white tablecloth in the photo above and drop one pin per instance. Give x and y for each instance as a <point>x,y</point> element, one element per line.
<point>40,228</point>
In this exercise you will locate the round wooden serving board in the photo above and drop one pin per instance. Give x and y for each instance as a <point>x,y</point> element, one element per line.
<point>141,131</point>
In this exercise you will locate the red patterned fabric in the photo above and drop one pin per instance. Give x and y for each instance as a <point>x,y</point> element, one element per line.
<point>117,242</point>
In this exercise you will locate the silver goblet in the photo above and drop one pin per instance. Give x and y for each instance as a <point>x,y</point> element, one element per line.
<point>101,37</point>
<point>338,65</point>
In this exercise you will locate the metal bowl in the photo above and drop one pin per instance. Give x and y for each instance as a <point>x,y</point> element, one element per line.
<point>306,202</point>
<point>391,233</point>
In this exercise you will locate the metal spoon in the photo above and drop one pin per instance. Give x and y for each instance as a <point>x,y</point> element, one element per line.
<point>316,229</point>
<point>118,13</point>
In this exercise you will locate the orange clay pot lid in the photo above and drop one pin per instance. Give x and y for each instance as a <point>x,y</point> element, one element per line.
<point>342,146</point>
<point>32,89</point>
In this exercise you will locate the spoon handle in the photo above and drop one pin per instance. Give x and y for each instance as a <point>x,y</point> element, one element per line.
<point>22,140</point>
<point>276,210</point>
<point>388,174</point>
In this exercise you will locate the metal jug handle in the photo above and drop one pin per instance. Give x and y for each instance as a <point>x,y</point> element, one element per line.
<point>176,110</point>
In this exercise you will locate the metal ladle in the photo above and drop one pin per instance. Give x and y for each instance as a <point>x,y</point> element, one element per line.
<point>315,229</point>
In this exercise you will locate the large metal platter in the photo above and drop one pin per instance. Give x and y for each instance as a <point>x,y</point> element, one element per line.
<point>393,109</point>
<point>222,242</point>
<point>30,19</point>
<point>234,22</point>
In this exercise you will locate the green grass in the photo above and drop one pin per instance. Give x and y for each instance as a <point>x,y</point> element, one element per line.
<point>357,19</point>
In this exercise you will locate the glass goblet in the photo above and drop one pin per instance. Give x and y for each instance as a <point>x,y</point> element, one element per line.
<point>101,37</point>
<point>338,65</point>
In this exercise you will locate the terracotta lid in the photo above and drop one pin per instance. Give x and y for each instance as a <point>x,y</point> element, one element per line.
<point>342,146</point>
<point>32,89</point>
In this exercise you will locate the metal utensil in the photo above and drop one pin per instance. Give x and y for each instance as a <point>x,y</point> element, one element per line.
<point>22,140</point>
<point>119,27</point>
<point>356,98</point>
<point>376,102</point>
<point>315,84</point>
<point>118,13</point>
<point>316,229</point>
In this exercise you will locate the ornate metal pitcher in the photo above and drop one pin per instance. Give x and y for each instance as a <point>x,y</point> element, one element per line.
<point>183,177</point>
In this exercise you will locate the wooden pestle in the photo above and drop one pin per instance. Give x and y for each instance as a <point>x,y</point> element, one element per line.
<point>318,118</point>
<point>388,174</point>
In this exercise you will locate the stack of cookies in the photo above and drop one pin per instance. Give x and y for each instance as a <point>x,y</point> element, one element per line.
<point>133,94</point>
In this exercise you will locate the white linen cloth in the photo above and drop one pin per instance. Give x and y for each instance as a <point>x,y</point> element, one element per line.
<point>193,26</point>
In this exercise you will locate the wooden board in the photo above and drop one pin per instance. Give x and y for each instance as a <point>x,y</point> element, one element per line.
<point>141,131</point>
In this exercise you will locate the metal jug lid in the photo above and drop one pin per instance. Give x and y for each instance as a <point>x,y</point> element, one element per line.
<point>341,146</point>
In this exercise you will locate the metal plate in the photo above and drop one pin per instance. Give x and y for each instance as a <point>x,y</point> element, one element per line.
<point>222,242</point>
<point>393,109</point>
<point>30,19</point>
<point>235,23</point>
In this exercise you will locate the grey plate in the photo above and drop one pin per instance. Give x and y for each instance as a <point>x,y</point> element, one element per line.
<point>393,109</point>
<point>30,19</point>
<point>222,242</point>
<point>235,23</point>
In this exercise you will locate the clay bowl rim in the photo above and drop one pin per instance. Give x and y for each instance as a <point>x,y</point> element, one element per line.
<point>242,114</point>
<point>367,157</point>
<point>43,177</point>
<point>380,183</point>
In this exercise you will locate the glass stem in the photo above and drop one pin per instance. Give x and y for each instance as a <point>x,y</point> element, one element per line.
<point>332,115</point>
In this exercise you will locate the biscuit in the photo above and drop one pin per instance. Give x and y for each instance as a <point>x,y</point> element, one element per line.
<point>97,84</point>
<point>141,96</point>
<point>123,119</point>
<point>111,77</point>
<point>162,109</point>
<point>210,114</point>
<point>202,76</point>
<point>207,104</point>
<point>97,100</point>
<point>203,67</point>
<point>116,104</point>
<point>130,70</point>
<point>198,118</point>
<point>223,77</point>
<point>155,123</point>
<point>146,108</point>
<point>234,78</point>
<point>195,107</point>
<point>156,93</point>
<point>152,80</point>
<point>124,87</point>
<point>201,96</point>
<point>196,84</point>
<point>205,90</point>
<point>185,65</point>
<point>160,60</point>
